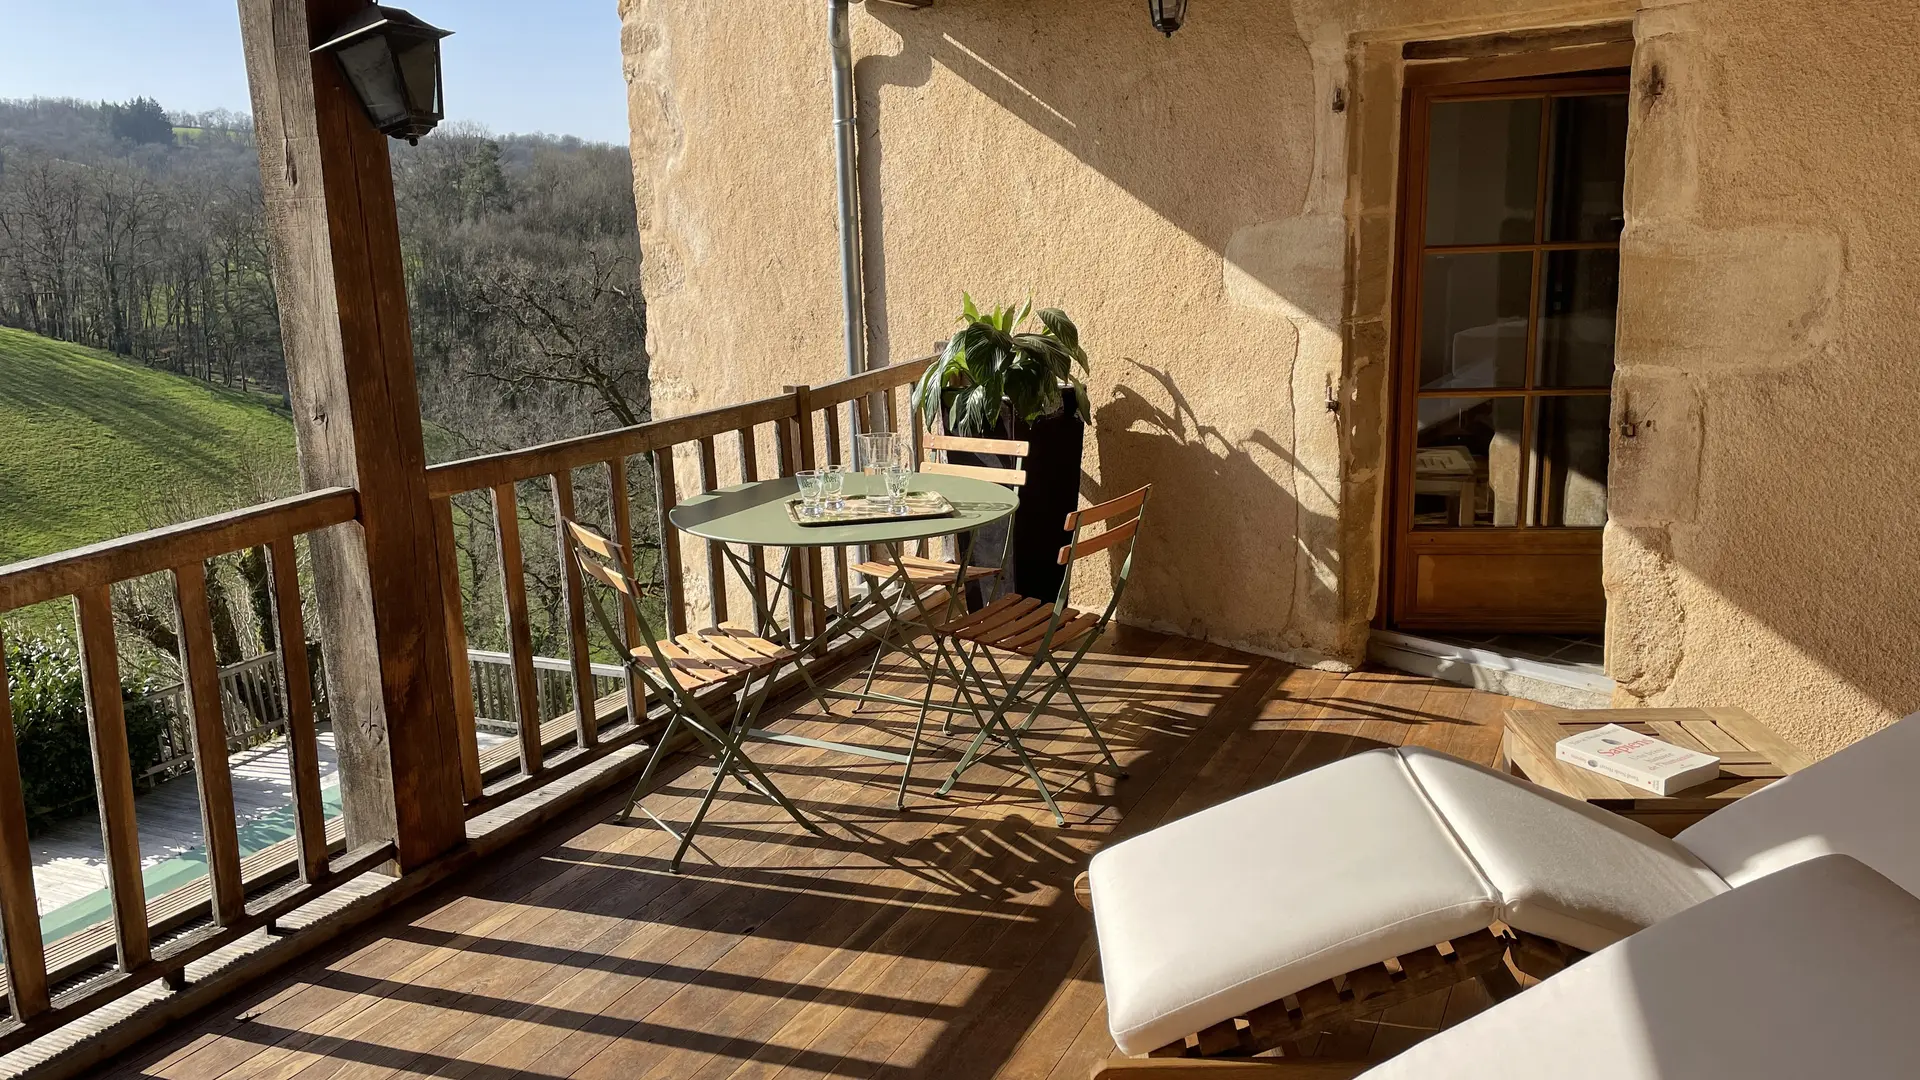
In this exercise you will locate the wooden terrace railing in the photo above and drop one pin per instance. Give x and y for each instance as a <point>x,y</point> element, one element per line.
<point>800,428</point>
<point>39,997</point>
<point>48,986</point>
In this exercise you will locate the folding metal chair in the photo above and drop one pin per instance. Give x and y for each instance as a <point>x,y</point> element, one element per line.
<point>1051,640</point>
<point>674,670</point>
<point>927,576</point>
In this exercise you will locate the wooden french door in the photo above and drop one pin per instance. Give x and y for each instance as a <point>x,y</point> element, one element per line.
<point>1509,278</point>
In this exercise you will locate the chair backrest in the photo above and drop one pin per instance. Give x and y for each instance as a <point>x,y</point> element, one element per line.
<point>932,444</point>
<point>601,560</point>
<point>1131,507</point>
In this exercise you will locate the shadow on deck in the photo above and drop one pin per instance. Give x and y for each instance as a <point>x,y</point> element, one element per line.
<point>939,942</point>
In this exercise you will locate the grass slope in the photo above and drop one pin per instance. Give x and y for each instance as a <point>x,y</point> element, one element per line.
<point>91,447</point>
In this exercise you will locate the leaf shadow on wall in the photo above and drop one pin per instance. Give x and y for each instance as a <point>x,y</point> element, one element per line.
<point>1215,501</point>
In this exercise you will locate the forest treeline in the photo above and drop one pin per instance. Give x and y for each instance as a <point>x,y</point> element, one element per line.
<point>141,232</point>
<point>138,231</point>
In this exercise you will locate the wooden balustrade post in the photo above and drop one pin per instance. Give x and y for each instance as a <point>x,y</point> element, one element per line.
<point>337,269</point>
<point>19,912</point>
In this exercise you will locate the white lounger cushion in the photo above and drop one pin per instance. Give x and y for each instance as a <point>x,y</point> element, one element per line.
<point>1246,902</point>
<point>1561,868</point>
<point>1810,972</point>
<point>1863,801</point>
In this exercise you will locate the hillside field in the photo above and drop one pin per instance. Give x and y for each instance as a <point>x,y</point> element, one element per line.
<point>92,447</point>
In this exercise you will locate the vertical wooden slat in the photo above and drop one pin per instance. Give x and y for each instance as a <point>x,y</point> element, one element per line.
<point>865,406</point>
<point>622,508</point>
<point>623,538</point>
<point>674,585</point>
<point>113,776</point>
<point>513,581</point>
<point>924,548</point>
<point>209,742</point>
<point>303,745</point>
<point>716,559</point>
<point>834,458</point>
<point>807,561</point>
<point>749,472</point>
<point>579,654</point>
<point>19,910</point>
<point>461,669</point>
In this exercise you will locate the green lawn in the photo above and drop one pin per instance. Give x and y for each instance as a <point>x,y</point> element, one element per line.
<point>93,447</point>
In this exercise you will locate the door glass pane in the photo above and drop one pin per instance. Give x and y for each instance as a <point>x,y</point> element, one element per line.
<point>1578,297</point>
<point>1587,168</point>
<point>1571,442</point>
<point>1466,462</point>
<point>1473,319</point>
<point>1483,171</point>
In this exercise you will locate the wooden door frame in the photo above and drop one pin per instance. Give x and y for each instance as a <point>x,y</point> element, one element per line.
<point>1602,66</point>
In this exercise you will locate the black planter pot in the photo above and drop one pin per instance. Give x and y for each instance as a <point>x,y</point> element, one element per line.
<point>1055,445</point>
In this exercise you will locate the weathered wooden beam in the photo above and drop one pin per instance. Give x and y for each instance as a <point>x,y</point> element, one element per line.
<point>1517,41</point>
<point>337,268</point>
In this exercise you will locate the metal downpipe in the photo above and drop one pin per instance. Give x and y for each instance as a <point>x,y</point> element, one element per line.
<point>847,179</point>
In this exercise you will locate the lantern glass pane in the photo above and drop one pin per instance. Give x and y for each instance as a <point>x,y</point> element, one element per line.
<point>370,66</point>
<point>419,59</point>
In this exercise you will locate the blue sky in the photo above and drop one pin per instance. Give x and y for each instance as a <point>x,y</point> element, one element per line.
<point>524,66</point>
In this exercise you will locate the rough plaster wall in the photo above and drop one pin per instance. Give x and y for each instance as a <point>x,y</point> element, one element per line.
<point>1186,200</point>
<point>1157,190</point>
<point>1765,517</point>
<point>733,177</point>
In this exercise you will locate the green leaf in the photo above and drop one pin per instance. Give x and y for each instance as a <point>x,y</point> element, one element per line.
<point>968,312</point>
<point>1061,327</point>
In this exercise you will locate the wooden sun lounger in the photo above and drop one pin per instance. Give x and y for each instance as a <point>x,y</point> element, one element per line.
<point>1491,956</point>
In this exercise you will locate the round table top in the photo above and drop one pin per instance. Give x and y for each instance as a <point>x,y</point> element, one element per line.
<point>756,513</point>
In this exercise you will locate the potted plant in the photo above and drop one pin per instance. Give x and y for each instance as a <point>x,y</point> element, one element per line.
<point>999,379</point>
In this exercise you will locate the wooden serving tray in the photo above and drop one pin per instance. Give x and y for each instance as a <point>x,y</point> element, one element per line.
<point>862,510</point>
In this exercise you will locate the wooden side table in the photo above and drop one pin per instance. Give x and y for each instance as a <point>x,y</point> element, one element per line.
<point>1751,757</point>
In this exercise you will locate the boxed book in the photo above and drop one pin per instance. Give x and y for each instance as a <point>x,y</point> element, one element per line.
<point>1639,760</point>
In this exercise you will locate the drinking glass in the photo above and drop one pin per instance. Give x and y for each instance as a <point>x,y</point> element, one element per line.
<point>898,475</point>
<point>811,485</point>
<point>833,487</point>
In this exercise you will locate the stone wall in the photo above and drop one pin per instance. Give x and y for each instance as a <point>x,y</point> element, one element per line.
<point>1766,507</point>
<point>1217,212</point>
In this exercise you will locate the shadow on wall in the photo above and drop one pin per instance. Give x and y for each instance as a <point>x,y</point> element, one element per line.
<point>1190,463</point>
<point>1169,121</point>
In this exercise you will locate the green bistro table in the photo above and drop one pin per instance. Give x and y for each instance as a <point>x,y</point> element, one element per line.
<point>755,516</point>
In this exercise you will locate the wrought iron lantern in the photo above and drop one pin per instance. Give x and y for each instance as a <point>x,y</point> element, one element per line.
<point>1167,15</point>
<point>393,61</point>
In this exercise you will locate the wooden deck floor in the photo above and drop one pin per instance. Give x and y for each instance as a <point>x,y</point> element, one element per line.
<point>942,942</point>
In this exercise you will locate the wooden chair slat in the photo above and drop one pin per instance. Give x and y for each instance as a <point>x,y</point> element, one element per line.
<point>1017,448</point>
<point>303,746</point>
<point>219,826</point>
<point>1009,477</point>
<point>1080,549</point>
<point>1132,500</point>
